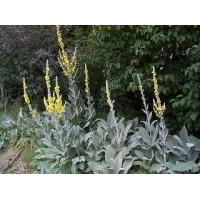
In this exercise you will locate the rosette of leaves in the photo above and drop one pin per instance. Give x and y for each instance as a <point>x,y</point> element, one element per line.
<point>184,153</point>
<point>146,145</point>
<point>62,150</point>
<point>115,161</point>
<point>160,152</point>
<point>106,153</point>
<point>23,131</point>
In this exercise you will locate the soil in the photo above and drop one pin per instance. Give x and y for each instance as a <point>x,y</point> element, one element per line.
<point>12,161</point>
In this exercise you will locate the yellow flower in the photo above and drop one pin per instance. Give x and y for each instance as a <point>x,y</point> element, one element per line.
<point>47,78</point>
<point>53,104</point>
<point>33,112</point>
<point>59,107</point>
<point>110,102</point>
<point>67,66</point>
<point>157,107</point>
<point>26,98</point>
<point>86,80</point>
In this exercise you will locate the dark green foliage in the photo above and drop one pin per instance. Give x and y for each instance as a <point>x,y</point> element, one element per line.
<point>23,52</point>
<point>124,51</point>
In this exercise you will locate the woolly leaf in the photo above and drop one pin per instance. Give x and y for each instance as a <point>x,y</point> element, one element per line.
<point>109,156</point>
<point>184,135</point>
<point>186,166</point>
<point>118,163</point>
<point>157,167</point>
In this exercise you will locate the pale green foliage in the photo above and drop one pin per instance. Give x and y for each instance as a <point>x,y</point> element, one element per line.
<point>79,143</point>
<point>107,149</point>
<point>62,145</point>
<point>76,110</point>
<point>24,130</point>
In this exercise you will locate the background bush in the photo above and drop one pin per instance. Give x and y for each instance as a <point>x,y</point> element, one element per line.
<point>174,51</point>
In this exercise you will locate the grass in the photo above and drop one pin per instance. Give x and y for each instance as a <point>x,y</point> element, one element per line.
<point>28,156</point>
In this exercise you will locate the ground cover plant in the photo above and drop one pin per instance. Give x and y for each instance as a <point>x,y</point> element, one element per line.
<point>68,137</point>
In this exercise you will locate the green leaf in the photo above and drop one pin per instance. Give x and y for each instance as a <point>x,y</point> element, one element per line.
<point>81,159</point>
<point>178,139</point>
<point>184,135</point>
<point>90,154</point>
<point>170,166</point>
<point>141,164</point>
<point>95,166</point>
<point>195,141</point>
<point>189,145</point>
<point>139,154</point>
<point>135,122</point>
<point>183,151</point>
<point>81,166</point>
<point>127,129</point>
<point>118,163</point>
<point>182,101</point>
<point>74,169</point>
<point>54,165</point>
<point>194,115</point>
<point>124,151</point>
<point>109,156</point>
<point>156,167</point>
<point>127,164</point>
<point>186,166</point>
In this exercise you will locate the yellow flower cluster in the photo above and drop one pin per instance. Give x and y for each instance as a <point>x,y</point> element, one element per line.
<point>157,107</point>
<point>47,78</point>
<point>67,66</point>
<point>86,80</point>
<point>53,104</point>
<point>33,112</point>
<point>26,98</point>
<point>110,102</point>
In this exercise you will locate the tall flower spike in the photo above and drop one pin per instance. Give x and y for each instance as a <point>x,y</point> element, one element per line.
<point>157,107</point>
<point>26,98</point>
<point>90,111</point>
<point>47,78</point>
<point>110,102</point>
<point>53,104</point>
<point>33,112</point>
<point>86,80</point>
<point>142,93</point>
<point>59,107</point>
<point>67,66</point>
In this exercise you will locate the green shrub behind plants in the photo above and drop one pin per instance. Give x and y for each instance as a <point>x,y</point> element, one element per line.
<point>118,53</point>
